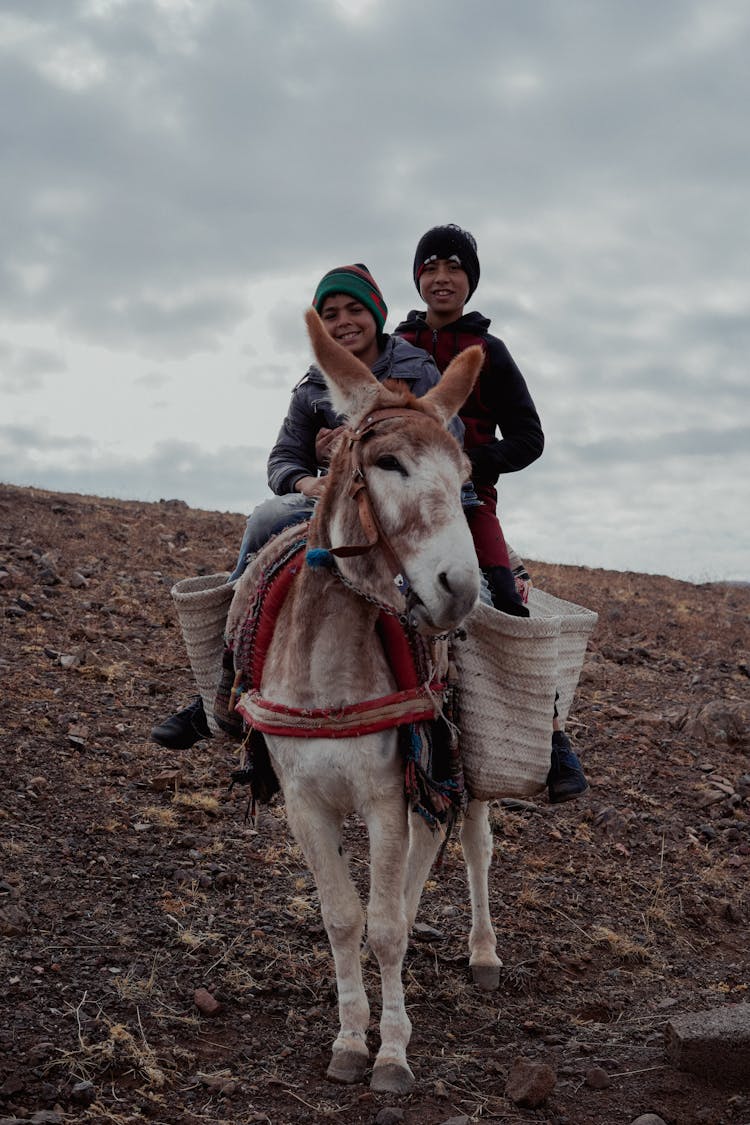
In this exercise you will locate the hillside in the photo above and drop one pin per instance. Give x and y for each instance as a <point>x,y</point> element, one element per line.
<point>129,876</point>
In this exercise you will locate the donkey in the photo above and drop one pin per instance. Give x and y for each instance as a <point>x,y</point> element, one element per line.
<point>404,491</point>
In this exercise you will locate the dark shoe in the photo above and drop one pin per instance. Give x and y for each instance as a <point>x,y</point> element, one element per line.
<point>566,778</point>
<point>183,730</point>
<point>505,596</point>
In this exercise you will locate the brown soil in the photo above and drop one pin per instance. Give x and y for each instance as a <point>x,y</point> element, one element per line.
<point>129,877</point>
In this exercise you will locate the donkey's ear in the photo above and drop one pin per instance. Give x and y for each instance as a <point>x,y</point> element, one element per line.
<point>351,384</point>
<point>457,382</point>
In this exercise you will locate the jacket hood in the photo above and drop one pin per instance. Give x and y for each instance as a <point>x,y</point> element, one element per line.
<point>472,322</point>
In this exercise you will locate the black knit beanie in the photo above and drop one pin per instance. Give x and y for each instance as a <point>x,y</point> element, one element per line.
<point>448,242</point>
<point>355,281</point>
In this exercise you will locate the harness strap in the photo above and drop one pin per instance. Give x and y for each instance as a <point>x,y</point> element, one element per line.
<point>368,519</point>
<point>413,702</point>
<point>373,715</point>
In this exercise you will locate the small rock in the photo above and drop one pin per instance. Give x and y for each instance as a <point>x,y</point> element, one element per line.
<point>423,932</point>
<point>389,1115</point>
<point>168,779</point>
<point>206,1004</point>
<point>530,1083</point>
<point>13,920</point>
<point>83,1093</point>
<point>13,1085</point>
<point>714,1044</point>
<point>461,1119</point>
<point>78,581</point>
<point>514,804</point>
<point>597,1078</point>
<point>649,1119</point>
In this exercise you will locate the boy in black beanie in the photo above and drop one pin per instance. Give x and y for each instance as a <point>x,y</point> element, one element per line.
<point>446,274</point>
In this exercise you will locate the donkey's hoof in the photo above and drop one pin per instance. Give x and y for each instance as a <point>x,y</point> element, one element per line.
<point>347,1066</point>
<point>391,1078</point>
<point>486,977</point>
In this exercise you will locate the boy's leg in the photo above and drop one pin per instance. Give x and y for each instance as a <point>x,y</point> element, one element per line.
<point>268,519</point>
<point>492,553</point>
<point>183,729</point>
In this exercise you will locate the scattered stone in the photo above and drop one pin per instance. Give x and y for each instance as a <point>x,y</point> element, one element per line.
<point>721,722</point>
<point>389,1115</point>
<point>714,1044</point>
<point>530,1083</point>
<point>70,660</point>
<point>649,1119</point>
<point>168,779</point>
<point>78,581</point>
<point>461,1119</point>
<point>516,805</point>
<point>222,1084</point>
<point>83,1093</point>
<point>206,1004</point>
<point>423,932</point>
<point>597,1078</point>
<point>49,577</point>
<point>78,733</point>
<point>13,920</point>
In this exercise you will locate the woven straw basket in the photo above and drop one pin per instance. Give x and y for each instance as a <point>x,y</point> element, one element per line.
<point>202,605</point>
<point>509,671</point>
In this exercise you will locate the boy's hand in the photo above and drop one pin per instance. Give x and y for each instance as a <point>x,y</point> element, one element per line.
<point>312,487</point>
<point>325,442</point>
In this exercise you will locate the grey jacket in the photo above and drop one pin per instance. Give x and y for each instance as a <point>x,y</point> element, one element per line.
<point>293,455</point>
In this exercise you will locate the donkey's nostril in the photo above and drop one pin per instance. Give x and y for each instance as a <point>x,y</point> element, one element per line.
<point>443,580</point>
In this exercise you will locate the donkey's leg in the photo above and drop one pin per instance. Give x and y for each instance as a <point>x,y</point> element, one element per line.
<point>423,847</point>
<point>476,841</point>
<point>319,835</point>
<point>387,936</point>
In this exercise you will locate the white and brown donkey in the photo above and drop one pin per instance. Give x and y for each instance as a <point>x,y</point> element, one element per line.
<point>325,655</point>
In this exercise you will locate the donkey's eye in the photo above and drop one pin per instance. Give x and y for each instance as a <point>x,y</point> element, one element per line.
<point>391,465</point>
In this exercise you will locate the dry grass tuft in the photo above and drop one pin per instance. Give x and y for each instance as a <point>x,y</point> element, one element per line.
<point>162,817</point>
<point>198,802</point>
<point>620,945</point>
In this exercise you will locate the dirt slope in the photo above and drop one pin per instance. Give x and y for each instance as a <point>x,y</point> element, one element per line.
<point>124,887</point>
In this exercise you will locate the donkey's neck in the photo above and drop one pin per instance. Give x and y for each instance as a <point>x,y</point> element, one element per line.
<point>335,658</point>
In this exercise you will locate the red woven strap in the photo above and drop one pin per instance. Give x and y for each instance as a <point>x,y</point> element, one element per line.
<point>272,601</point>
<point>369,717</point>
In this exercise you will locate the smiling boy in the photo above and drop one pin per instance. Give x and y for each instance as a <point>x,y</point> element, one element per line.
<point>446,274</point>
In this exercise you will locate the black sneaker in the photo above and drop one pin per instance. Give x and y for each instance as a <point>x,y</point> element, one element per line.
<point>566,778</point>
<point>183,730</point>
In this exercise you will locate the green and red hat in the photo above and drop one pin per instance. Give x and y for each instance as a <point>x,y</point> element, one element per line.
<point>355,281</point>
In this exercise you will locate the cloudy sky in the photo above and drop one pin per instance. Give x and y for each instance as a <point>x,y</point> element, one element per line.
<point>178,174</point>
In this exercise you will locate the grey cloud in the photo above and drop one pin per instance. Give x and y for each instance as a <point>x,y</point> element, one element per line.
<point>228,479</point>
<point>25,368</point>
<point>657,449</point>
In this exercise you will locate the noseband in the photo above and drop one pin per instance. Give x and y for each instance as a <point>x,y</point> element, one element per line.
<point>371,526</point>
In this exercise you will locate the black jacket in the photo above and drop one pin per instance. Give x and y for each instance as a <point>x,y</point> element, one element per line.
<point>500,399</point>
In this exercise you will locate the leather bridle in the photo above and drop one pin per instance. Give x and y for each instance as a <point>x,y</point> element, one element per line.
<point>368,518</point>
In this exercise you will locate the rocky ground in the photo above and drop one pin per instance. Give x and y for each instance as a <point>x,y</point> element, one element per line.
<point>130,879</point>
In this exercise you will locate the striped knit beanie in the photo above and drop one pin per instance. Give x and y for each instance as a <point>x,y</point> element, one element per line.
<point>355,281</point>
<point>446,243</point>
